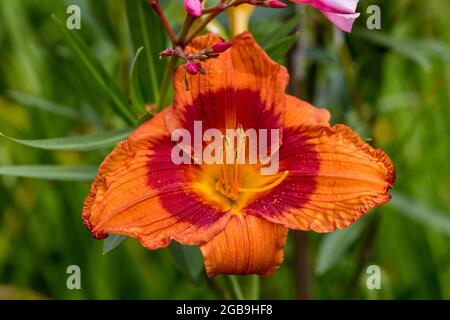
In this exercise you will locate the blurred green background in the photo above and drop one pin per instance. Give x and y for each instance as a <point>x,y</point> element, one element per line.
<point>391,85</point>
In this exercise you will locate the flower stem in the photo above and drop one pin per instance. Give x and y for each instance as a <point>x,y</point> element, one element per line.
<point>182,38</point>
<point>156,6</point>
<point>218,285</point>
<point>212,13</point>
<point>255,286</point>
<point>201,25</point>
<point>236,287</point>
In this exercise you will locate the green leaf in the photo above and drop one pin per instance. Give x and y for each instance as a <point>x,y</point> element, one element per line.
<point>278,50</point>
<point>136,95</point>
<point>189,259</point>
<point>50,172</point>
<point>283,31</point>
<point>94,69</point>
<point>335,245</point>
<point>421,212</point>
<point>77,143</point>
<point>112,242</point>
<point>146,31</point>
<point>43,104</point>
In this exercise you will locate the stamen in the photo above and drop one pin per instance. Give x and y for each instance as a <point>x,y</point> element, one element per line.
<point>269,186</point>
<point>227,183</point>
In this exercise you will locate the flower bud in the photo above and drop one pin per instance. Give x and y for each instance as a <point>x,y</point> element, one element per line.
<point>192,67</point>
<point>268,3</point>
<point>193,7</point>
<point>166,53</point>
<point>276,4</point>
<point>221,46</point>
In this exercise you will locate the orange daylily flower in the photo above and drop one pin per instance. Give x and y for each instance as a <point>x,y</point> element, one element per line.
<point>328,177</point>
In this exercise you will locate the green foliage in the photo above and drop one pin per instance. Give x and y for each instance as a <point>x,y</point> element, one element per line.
<point>334,246</point>
<point>78,143</point>
<point>43,104</point>
<point>420,51</point>
<point>112,242</point>
<point>146,32</point>
<point>189,260</point>
<point>93,69</point>
<point>421,213</point>
<point>51,172</point>
<point>281,39</point>
<point>136,95</point>
<point>278,49</point>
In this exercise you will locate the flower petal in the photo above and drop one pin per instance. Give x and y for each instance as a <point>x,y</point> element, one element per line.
<point>341,13</point>
<point>299,112</point>
<point>141,193</point>
<point>248,245</point>
<point>343,21</point>
<point>338,6</point>
<point>334,178</point>
<point>227,92</point>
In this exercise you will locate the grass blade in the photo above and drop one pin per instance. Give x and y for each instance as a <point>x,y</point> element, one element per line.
<point>50,172</point>
<point>77,143</point>
<point>43,104</point>
<point>135,93</point>
<point>147,32</point>
<point>93,68</point>
<point>335,245</point>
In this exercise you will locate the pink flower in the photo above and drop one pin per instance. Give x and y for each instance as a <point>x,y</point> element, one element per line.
<point>221,46</point>
<point>193,7</point>
<point>340,12</point>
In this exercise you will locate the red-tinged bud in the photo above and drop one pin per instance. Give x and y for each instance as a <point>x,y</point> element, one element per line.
<point>192,67</point>
<point>167,53</point>
<point>193,7</point>
<point>276,4</point>
<point>221,46</point>
<point>268,3</point>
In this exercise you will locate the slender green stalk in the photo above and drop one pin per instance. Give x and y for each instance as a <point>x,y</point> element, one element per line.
<point>237,291</point>
<point>148,55</point>
<point>218,285</point>
<point>255,287</point>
